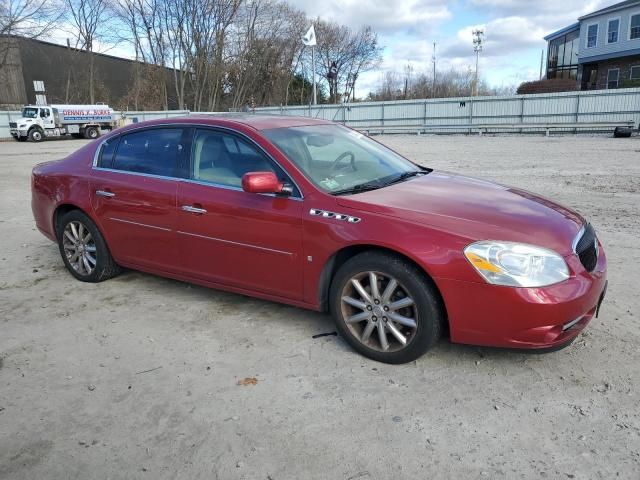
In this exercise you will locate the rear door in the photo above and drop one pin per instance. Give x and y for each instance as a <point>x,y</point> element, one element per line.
<point>133,190</point>
<point>247,240</point>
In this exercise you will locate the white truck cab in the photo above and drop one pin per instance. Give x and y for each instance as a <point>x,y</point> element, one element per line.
<point>38,122</point>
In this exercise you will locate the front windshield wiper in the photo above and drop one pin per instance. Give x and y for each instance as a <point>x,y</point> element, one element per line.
<point>405,176</point>
<point>362,187</point>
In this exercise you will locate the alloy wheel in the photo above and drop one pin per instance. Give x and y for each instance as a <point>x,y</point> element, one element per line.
<point>79,247</point>
<point>379,311</point>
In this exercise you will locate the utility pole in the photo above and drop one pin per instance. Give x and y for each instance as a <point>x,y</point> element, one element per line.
<point>478,39</point>
<point>433,59</point>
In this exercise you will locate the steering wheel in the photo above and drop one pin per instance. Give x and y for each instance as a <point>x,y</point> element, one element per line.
<point>335,167</point>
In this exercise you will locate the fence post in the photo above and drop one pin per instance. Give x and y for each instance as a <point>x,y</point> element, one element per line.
<point>425,113</point>
<point>382,114</point>
<point>577,111</point>
<point>470,116</point>
<point>522,111</point>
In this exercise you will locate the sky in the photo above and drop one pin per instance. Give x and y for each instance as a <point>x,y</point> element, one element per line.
<point>513,43</point>
<point>514,31</point>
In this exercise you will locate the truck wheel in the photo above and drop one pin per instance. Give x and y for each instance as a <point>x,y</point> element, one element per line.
<point>91,133</point>
<point>36,135</point>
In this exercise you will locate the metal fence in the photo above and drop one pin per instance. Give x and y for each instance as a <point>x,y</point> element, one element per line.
<point>593,106</point>
<point>6,117</point>
<point>572,107</point>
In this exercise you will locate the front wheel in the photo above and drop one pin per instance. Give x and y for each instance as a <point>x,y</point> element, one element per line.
<point>84,250</point>
<point>385,308</point>
<point>36,135</point>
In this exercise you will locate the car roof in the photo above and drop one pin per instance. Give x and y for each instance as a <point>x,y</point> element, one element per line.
<point>256,121</point>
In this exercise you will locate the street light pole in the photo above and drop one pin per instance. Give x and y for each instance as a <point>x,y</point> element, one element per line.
<point>478,35</point>
<point>433,59</point>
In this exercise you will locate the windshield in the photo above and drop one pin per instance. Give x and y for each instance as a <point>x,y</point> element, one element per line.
<point>339,160</point>
<point>30,113</point>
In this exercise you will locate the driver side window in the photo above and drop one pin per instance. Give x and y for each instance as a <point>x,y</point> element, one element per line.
<point>223,159</point>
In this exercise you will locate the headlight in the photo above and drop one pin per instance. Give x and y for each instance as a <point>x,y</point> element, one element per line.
<point>516,264</point>
<point>21,126</point>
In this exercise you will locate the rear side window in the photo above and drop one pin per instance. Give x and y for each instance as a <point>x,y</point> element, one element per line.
<point>159,151</point>
<point>107,151</point>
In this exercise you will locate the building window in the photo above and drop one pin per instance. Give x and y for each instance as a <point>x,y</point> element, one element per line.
<point>562,59</point>
<point>634,26</point>
<point>613,30</point>
<point>592,35</point>
<point>635,72</point>
<point>612,78</point>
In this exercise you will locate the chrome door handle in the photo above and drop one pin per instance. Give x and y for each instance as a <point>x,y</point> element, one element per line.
<point>192,209</point>
<point>104,193</point>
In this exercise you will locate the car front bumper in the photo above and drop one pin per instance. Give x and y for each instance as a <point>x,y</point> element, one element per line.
<point>530,318</point>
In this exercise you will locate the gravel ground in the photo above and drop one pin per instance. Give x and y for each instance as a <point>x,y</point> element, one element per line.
<point>143,377</point>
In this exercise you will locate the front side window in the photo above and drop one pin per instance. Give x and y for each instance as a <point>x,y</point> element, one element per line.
<point>592,36</point>
<point>158,151</point>
<point>613,30</point>
<point>613,77</point>
<point>223,159</point>
<point>635,27</point>
<point>337,159</point>
<point>635,73</point>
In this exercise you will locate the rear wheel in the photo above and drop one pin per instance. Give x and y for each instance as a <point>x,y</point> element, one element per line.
<point>84,250</point>
<point>91,133</point>
<point>385,308</point>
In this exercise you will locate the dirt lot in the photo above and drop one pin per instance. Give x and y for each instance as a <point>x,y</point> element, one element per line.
<point>138,377</point>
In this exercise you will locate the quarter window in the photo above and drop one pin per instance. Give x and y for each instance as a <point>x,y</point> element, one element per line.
<point>613,77</point>
<point>613,31</point>
<point>106,153</point>
<point>157,151</point>
<point>222,159</point>
<point>592,35</point>
<point>635,27</point>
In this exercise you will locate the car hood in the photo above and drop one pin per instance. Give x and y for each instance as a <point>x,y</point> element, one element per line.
<point>474,209</point>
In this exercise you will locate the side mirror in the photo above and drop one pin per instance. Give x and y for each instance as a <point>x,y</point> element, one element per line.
<point>263,182</point>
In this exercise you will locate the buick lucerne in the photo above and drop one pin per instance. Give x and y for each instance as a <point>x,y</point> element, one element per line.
<point>313,214</point>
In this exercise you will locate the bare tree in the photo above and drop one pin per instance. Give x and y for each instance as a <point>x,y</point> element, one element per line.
<point>27,19</point>
<point>345,53</point>
<point>88,20</point>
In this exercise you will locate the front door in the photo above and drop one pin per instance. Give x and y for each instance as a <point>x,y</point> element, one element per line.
<point>46,115</point>
<point>589,77</point>
<point>133,194</point>
<point>228,236</point>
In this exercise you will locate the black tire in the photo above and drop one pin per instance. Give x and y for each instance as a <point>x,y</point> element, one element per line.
<point>427,308</point>
<point>623,132</point>
<point>105,267</point>
<point>36,135</point>
<point>91,133</point>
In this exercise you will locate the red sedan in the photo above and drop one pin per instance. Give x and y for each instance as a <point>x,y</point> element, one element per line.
<point>311,213</point>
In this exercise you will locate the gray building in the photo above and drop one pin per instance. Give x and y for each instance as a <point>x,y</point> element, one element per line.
<point>601,50</point>
<point>64,72</point>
